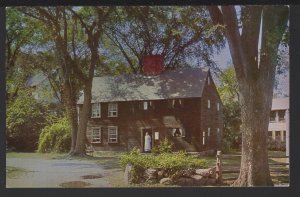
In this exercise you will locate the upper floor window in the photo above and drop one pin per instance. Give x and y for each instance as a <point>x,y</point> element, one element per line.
<point>208,131</point>
<point>281,114</point>
<point>218,106</point>
<point>96,110</point>
<point>132,107</point>
<point>112,109</point>
<point>208,104</point>
<point>175,103</point>
<point>112,134</point>
<point>273,116</point>
<point>96,135</point>
<point>218,130</point>
<point>146,105</point>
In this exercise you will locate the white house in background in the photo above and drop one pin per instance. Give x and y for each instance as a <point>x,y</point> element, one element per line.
<point>279,121</point>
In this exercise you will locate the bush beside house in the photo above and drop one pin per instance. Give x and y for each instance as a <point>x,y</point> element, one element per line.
<point>55,137</point>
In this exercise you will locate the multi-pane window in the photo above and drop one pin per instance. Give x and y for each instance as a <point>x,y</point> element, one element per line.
<point>203,139</point>
<point>175,103</point>
<point>277,135</point>
<point>96,110</point>
<point>112,109</point>
<point>208,131</point>
<point>272,116</point>
<point>112,134</point>
<point>145,105</point>
<point>96,135</point>
<point>281,114</point>
<point>270,134</point>
<point>208,104</point>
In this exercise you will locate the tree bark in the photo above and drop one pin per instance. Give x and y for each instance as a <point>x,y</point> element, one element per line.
<point>84,117</point>
<point>70,106</point>
<point>255,110</point>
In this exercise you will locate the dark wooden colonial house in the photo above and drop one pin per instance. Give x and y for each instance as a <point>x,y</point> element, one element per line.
<point>181,105</point>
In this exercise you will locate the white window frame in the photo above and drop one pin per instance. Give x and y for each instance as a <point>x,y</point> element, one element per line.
<point>145,105</point>
<point>181,130</point>
<point>94,111</point>
<point>112,110</point>
<point>208,132</point>
<point>218,106</point>
<point>203,139</point>
<point>109,134</point>
<point>98,138</point>
<point>208,104</point>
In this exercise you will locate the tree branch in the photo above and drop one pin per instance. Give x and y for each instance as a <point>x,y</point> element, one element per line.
<point>234,41</point>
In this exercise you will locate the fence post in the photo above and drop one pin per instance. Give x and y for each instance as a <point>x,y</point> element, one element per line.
<point>219,167</point>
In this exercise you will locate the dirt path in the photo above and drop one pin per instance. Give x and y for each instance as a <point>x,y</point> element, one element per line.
<point>57,173</point>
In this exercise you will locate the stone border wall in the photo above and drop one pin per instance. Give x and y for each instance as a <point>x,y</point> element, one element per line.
<point>186,177</point>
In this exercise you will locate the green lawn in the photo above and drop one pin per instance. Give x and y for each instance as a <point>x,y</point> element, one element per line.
<point>33,155</point>
<point>13,172</point>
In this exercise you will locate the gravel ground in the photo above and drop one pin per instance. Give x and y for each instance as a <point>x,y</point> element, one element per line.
<point>55,173</point>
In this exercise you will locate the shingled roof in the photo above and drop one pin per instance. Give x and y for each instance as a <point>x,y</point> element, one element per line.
<point>185,83</point>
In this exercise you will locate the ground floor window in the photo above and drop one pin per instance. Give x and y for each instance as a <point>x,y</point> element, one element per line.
<point>112,134</point>
<point>203,139</point>
<point>96,135</point>
<point>178,132</point>
<point>270,133</point>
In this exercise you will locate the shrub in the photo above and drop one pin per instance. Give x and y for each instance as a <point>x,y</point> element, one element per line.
<point>169,162</point>
<point>276,145</point>
<point>55,137</point>
<point>165,146</point>
<point>24,120</point>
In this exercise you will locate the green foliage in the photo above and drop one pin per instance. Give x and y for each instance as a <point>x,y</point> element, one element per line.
<point>24,120</point>
<point>165,146</point>
<point>178,33</point>
<point>228,91</point>
<point>276,145</point>
<point>56,136</point>
<point>169,162</point>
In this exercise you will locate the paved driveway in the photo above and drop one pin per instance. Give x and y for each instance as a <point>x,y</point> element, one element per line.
<point>57,173</point>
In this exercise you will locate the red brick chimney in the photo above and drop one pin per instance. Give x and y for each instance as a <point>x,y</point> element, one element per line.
<point>153,64</point>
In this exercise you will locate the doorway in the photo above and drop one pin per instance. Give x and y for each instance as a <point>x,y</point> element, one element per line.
<point>143,133</point>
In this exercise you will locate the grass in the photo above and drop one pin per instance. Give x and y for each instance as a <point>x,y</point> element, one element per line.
<point>33,155</point>
<point>13,172</point>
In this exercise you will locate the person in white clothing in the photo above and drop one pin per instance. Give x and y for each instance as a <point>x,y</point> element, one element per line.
<point>147,147</point>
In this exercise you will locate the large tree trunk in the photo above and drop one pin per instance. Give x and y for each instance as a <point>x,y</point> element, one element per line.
<point>70,106</point>
<point>84,117</point>
<point>255,110</point>
<point>86,108</point>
